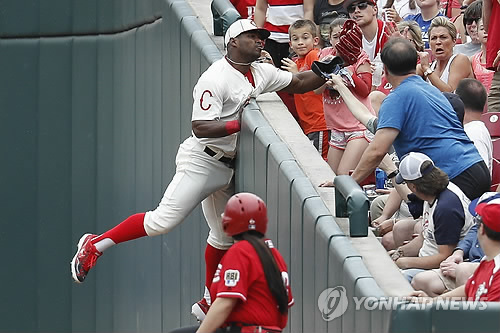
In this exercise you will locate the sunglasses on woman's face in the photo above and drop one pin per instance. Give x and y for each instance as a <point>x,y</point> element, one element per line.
<point>470,20</point>
<point>361,5</point>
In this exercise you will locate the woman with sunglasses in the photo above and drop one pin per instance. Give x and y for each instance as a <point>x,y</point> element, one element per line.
<point>478,60</point>
<point>471,17</point>
<point>447,69</point>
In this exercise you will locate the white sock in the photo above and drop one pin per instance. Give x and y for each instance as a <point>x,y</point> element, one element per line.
<point>104,244</point>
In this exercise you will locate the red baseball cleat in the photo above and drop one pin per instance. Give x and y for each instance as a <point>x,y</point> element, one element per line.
<point>84,259</point>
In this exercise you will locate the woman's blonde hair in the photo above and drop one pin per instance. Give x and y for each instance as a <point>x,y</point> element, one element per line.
<point>443,21</point>
<point>415,32</point>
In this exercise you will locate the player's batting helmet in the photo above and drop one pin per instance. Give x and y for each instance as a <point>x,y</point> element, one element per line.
<point>244,212</point>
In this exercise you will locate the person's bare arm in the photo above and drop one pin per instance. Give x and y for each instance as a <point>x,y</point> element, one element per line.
<point>214,128</point>
<point>427,262</point>
<point>460,68</point>
<point>455,294</point>
<point>375,152</point>
<point>217,315</point>
<point>320,90</point>
<point>391,206</point>
<point>309,10</point>
<point>358,109</point>
<point>419,71</point>
<point>303,82</point>
<point>486,13</point>
<point>412,248</point>
<point>260,12</point>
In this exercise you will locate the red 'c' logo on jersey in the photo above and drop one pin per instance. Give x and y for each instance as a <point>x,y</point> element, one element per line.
<point>201,100</point>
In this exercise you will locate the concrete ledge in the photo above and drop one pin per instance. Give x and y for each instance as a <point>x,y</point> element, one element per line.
<point>378,263</point>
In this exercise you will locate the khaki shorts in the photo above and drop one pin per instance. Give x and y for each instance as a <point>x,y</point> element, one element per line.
<point>449,283</point>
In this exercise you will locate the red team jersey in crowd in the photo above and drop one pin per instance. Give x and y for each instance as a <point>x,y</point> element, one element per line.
<point>246,8</point>
<point>280,14</point>
<point>493,44</point>
<point>484,284</point>
<point>240,275</point>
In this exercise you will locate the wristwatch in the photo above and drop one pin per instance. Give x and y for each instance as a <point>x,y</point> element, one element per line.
<point>393,174</point>
<point>428,72</point>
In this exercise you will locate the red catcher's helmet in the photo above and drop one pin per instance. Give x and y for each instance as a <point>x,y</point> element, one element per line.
<point>244,212</point>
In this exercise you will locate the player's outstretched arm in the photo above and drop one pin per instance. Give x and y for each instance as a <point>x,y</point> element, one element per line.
<point>214,128</point>
<point>303,82</point>
<point>217,315</point>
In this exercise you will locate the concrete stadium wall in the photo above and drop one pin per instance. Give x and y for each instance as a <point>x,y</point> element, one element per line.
<point>95,98</point>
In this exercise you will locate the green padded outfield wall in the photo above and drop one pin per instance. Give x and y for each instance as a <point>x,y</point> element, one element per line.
<point>92,109</point>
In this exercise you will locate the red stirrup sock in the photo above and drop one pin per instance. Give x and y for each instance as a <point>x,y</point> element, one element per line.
<point>131,228</point>
<point>212,259</point>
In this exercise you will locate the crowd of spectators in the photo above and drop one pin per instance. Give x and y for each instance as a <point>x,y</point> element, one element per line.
<point>441,65</point>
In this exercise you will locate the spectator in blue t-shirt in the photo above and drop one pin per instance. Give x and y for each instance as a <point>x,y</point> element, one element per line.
<point>416,117</point>
<point>429,9</point>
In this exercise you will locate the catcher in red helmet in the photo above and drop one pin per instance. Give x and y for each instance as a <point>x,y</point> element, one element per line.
<point>250,290</point>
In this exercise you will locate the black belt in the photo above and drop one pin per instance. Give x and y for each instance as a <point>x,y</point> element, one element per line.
<point>223,159</point>
<point>248,329</point>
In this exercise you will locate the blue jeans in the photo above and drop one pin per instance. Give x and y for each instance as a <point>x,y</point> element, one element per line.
<point>411,272</point>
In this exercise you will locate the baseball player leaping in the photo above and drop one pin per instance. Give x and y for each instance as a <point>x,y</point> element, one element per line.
<point>205,160</point>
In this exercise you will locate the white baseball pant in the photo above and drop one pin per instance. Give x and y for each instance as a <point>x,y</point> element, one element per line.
<point>198,178</point>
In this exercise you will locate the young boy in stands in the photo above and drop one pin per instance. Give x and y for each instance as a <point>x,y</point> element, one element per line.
<point>304,41</point>
<point>446,218</point>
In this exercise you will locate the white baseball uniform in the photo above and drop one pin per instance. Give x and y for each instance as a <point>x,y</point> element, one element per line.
<point>220,94</point>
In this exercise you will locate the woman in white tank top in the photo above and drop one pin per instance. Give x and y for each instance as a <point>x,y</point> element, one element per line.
<point>447,69</point>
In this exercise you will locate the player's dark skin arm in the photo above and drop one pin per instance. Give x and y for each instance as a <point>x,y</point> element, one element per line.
<point>216,316</point>
<point>209,128</point>
<point>303,82</point>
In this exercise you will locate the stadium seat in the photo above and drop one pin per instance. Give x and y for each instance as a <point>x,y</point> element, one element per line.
<point>495,177</point>
<point>492,122</point>
<point>496,148</point>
